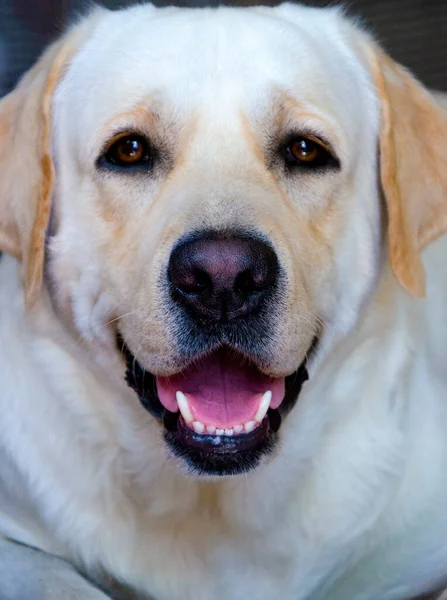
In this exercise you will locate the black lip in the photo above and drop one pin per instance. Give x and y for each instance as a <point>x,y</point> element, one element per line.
<point>221,455</point>
<point>211,454</point>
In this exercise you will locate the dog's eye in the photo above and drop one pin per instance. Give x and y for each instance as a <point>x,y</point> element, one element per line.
<point>308,152</point>
<point>129,151</point>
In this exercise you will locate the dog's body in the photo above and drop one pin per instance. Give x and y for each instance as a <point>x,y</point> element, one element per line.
<point>376,531</point>
<point>352,504</point>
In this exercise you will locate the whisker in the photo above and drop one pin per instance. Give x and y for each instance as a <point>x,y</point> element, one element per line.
<point>132,312</point>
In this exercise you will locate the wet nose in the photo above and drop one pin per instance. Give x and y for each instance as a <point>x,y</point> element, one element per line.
<point>222,278</point>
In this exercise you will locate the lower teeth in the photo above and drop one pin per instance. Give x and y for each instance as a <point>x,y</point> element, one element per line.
<point>170,421</point>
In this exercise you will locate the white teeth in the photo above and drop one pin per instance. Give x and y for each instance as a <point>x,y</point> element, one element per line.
<point>250,426</point>
<point>198,427</point>
<point>184,407</point>
<point>264,405</point>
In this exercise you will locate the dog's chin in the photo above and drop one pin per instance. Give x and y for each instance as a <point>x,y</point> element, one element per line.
<point>221,415</point>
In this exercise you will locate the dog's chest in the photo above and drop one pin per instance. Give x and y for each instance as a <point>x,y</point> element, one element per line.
<point>227,547</point>
<point>202,557</point>
<point>205,564</point>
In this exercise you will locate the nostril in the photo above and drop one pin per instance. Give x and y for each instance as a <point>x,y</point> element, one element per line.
<point>195,283</point>
<point>259,277</point>
<point>245,284</point>
<point>203,283</point>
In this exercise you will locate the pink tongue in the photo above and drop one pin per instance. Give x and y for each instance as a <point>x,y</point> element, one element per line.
<point>221,390</point>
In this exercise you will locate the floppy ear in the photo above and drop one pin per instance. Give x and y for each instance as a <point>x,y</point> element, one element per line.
<point>27,171</point>
<point>413,168</point>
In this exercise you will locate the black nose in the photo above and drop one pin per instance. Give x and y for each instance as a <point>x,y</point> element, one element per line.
<point>221,278</point>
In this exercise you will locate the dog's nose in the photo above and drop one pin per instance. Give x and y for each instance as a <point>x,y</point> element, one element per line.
<point>222,278</point>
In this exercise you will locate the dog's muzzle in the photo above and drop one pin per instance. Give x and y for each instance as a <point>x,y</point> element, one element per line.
<point>222,413</point>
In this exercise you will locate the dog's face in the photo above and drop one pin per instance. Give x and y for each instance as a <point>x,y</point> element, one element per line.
<point>216,211</point>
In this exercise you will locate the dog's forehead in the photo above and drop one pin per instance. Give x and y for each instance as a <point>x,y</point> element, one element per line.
<point>212,59</point>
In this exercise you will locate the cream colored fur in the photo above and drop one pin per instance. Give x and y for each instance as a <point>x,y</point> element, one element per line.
<point>353,505</point>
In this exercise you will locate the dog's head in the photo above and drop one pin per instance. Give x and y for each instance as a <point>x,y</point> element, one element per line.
<point>202,192</point>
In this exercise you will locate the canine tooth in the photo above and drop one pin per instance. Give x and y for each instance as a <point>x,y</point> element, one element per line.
<point>198,427</point>
<point>264,405</point>
<point>250,426</point>
<point>228,432</point>
<point>238,429</point>
<point>184,407</point>
<point>211,429</point>
<point>220,431</point>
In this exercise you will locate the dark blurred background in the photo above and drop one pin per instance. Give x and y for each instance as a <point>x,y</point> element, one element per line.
<point>413,31</point>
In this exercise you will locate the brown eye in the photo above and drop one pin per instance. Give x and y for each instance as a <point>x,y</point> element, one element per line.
<point>309,152</point>
<point>305,150</point>
<point>129,151</point>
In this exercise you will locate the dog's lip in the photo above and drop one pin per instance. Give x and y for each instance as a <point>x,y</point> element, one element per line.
<point>212,455</point>
<point>216,453</point>
<point>144,384</point>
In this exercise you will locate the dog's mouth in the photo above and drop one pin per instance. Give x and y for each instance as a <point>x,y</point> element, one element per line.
<point>221,414</point>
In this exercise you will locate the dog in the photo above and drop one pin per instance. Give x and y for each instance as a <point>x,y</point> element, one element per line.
<point>222,313</point>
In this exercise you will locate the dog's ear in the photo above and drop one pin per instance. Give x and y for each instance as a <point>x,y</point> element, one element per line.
<point>413,167</point>
<point>27,171</point>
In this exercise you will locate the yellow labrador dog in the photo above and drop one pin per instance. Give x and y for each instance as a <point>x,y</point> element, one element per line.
<point>223,313</point>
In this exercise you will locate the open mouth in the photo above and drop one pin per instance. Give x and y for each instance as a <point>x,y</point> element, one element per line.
<point>221,414</point>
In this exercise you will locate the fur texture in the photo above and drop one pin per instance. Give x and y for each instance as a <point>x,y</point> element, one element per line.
<point>352,505</point>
